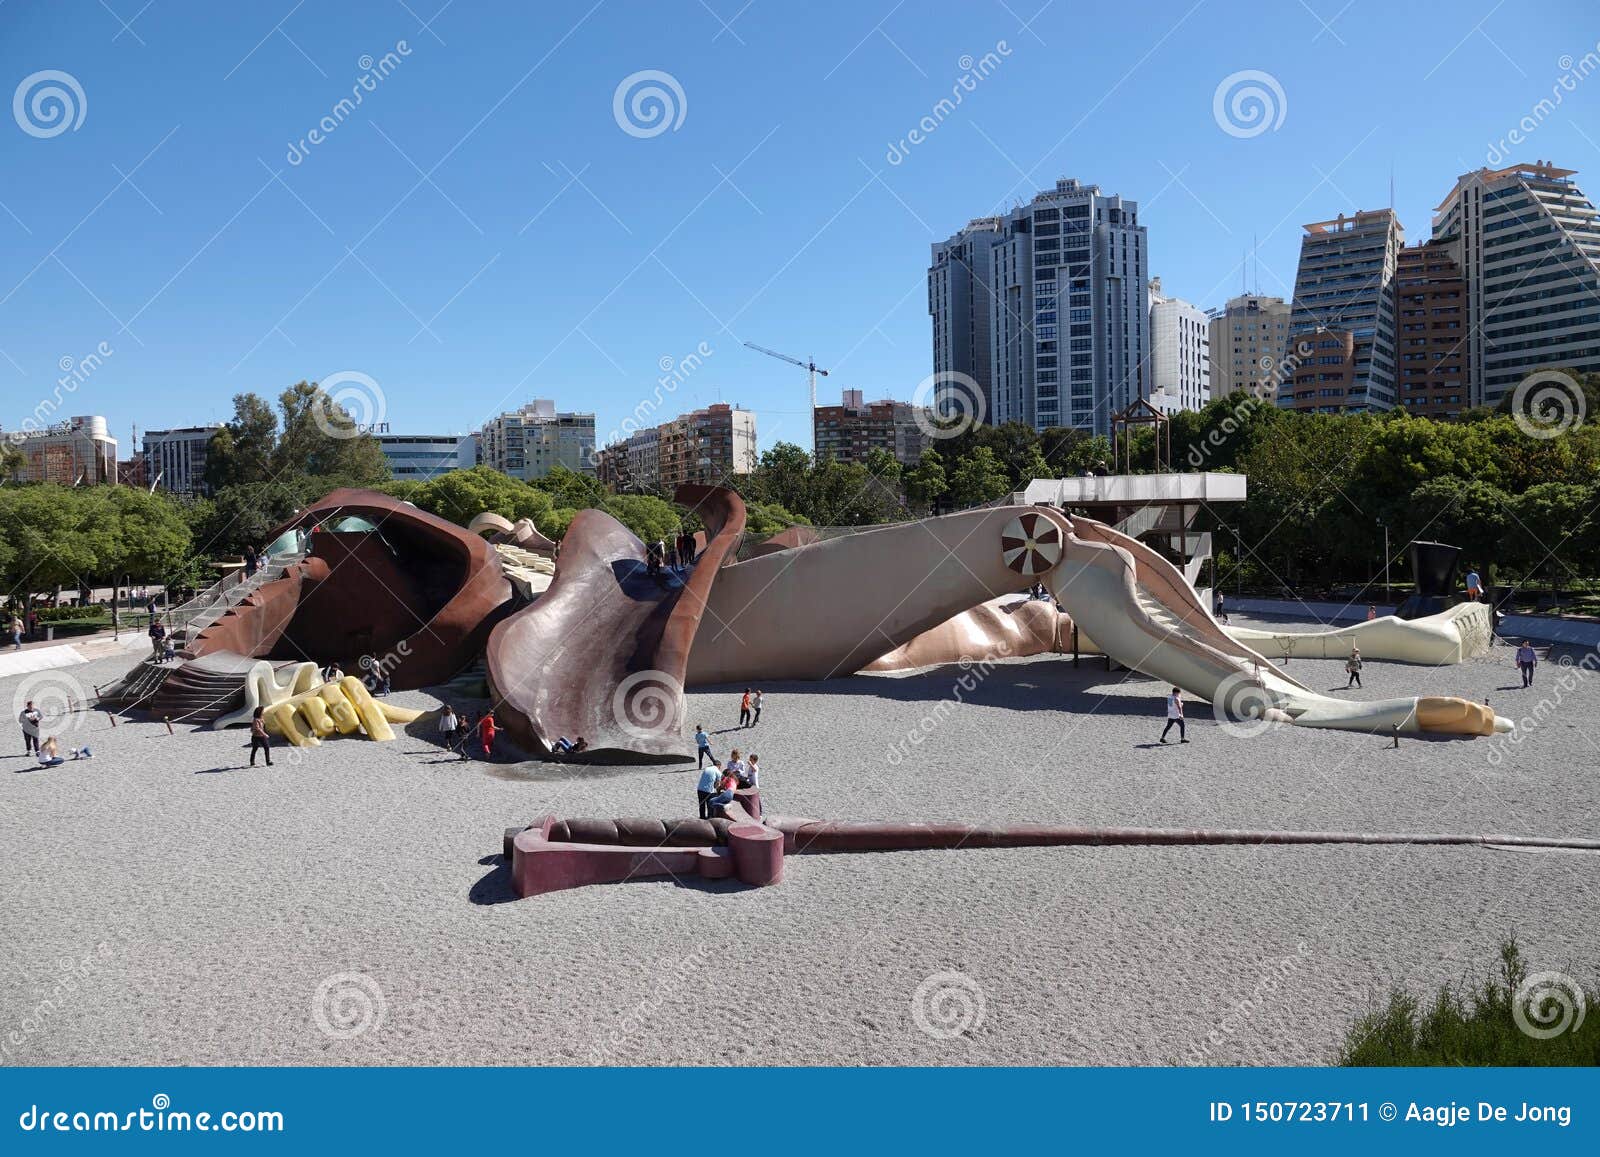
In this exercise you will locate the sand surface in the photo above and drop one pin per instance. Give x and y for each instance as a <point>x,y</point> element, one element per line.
<point>348,906</point>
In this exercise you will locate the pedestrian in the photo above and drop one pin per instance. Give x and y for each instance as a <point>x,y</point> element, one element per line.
<point>486,728</point>
<point>158,638</point>
<point>1474,586</point>
<point>1221,608</point>
<point>1353,666</point>
<point>250,561</point>
<point>755,707</point>
<point>707,787</point>
<point>652,559</point>
<point>752,775</point>
<point>1372,612</point>
<point>1525,663</point>
<point>16,633</point>
<point>686,549</point>
<point>726,786</point>
<point>448,723</point>
<point>30,718</point>
<point>1174,716</point>
<point>702,745</point>
<point>258,737</point>
<point>744,709</point>
<point>33,624</point>
<point>464,734</point>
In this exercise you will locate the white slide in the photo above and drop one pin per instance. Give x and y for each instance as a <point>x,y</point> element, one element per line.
<point>1141,612</point>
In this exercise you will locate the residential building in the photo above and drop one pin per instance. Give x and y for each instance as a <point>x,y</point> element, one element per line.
<point>419,457</point>
<point>848,431</point>
<point>1529,251</point>
<point>1179,376</point>
<point>1344,301</point>
<point>530,442</point>
<point>1249,337</point>
<point>76,450</point>
<point>707,446</point>
<point>175,460</point>
<point>1063,279</point>
<point>1431,303</point>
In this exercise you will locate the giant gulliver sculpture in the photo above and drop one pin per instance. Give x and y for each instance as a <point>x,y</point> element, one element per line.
<point>605,652</point>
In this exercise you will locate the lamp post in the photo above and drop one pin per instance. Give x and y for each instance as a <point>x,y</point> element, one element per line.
<point>1388,592</point>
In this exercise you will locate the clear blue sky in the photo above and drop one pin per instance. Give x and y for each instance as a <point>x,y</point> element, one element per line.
<point>547,252</point>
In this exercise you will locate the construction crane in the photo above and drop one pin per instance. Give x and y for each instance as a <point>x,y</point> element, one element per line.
<point>811,369</point>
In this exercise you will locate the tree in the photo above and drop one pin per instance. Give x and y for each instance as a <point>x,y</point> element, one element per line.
<point>882,465</point>
<point>569,488</point>
<point>926,482</point>
<point>783,476</point>
<point>321,438</point>
<point>1473,515</point>
<point>769,518</point>
<point>11,461</point>
<point>242,451</point>
<point>1553,532</point>
<point>462,495</point>
<point>979,477</point>
<point>649,518</point>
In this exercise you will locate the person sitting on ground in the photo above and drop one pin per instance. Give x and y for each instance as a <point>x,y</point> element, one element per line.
<point>82,752</point>
<point>565,746</point>
<point>1353,666</point>
<point>448,723</point>
<point>707,787</point>
<point>50,753</point>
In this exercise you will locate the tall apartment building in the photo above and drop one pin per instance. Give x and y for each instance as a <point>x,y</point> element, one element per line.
<point>1431,295</point>
<point>175,460</point>
<point>72,451</point>
<point>1067,305</point>
<point>1342,326</point>
<point>1179,376</point>
<point>707,446</point>
<point>530,442</point>
<point>1249,338</point>
<point>419,457</point>
<point>849,431</point>
<point>1530,258</point>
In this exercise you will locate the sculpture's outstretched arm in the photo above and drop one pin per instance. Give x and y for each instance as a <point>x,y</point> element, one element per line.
<point>1140,611</point>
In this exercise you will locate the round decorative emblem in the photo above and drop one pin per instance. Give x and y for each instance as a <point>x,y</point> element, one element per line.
<point>1030,544</point>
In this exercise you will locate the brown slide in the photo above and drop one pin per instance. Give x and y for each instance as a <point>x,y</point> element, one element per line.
<point>602,655</point>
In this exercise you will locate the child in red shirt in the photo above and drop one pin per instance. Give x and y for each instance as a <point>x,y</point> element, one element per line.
<point>486,727</point>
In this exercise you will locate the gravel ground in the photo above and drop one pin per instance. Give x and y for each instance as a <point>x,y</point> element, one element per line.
<point>349,906</point>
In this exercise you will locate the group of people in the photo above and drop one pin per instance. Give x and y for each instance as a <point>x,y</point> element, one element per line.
<point>679,555</point>
<point>43,747</point>
<point>719,782</point>
<point>161,649</point>
<point>456,731</point>
<point>750,708</point>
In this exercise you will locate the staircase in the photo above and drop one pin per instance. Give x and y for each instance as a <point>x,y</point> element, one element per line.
<point>189,619</point>
<point>202,689</point>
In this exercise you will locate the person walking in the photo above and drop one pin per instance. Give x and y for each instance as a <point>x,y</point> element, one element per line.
<point>486,729</point>
<point>755,707</point>
<point>1221,607</point>
<point>464,734</point>
<point>1353,666</point>
<point>707,787</point>
<point>1474,586</point>
<point>158,639</point>
<point>448,725</point>
<point>258,737</point>
<point>702,746</point>
<point>1526,660</point>
<point>16,633</point>
<point>30,718</point>
<point>744,709</point>
<point>1174,716</point>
